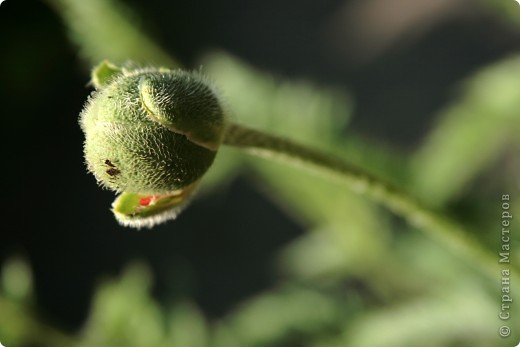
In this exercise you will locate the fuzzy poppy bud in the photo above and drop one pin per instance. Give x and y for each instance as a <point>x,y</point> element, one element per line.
<point>150,134</point>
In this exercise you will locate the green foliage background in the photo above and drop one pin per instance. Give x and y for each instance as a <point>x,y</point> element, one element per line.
<point>357,276</point>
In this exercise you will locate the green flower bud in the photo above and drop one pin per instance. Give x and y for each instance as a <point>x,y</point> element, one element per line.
<point>151,134</point>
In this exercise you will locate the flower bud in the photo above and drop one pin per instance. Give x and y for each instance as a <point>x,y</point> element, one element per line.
<point>151,133</point>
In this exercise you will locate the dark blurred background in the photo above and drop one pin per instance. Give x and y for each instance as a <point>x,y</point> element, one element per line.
<point>401,61</point>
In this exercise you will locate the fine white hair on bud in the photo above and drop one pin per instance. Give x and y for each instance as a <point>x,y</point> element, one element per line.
<point>150,134</point>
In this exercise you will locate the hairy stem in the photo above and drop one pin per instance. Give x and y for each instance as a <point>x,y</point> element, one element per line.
<point>435,224</point>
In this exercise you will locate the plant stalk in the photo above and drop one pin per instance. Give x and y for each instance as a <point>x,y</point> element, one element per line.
<point>439,227</point>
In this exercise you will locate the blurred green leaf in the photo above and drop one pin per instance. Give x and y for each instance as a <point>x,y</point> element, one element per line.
<point>123,313</point>
<point>17,279</point>
<point>507,9</point>
<point>20,324</point>
<point>287,313</point>
<point>471,134</point>
<point>187,326</point>
<point>463,315</point>
<point>106,30</point>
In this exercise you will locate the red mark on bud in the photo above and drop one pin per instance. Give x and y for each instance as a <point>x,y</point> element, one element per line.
<point>146,200</point>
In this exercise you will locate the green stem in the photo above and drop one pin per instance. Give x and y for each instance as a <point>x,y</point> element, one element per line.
<point>436,225</point>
